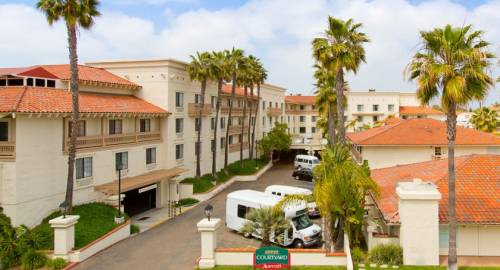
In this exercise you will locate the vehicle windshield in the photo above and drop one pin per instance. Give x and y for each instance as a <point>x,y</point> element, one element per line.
<point>301,222</point>
<point>315,161</point>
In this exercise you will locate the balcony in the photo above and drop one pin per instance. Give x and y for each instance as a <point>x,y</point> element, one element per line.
<point>195,108</point>
<point>89,142</point>
<point>235,147</point>
<point>237,129</point>
<point>274,112</point>
<point>300,112</point>
<point>7,150</point>
<point>237,111</point>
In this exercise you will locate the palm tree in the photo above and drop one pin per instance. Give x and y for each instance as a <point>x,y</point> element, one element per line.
<point>235,62</point>
<point>485,119</point>
<point>199,70</point>
<point>219,72</point>
<point>76,14</point>
<point>340,51</point>
<point>245,77</point>
<point>452,64</point>
<point>260,78</point>
<point>264,221</point>
<point>252,69</point>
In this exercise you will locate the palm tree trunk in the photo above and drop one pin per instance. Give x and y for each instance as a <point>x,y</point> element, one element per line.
<point>243,125</point>
<point>339,242</point>
<point>75,115</point>
<point>339,86</point>
<point>217,108</point>
<point>331,125</point>
<point>199,126</point>
<point>255,121</point>
<point>451,130</point>
<point>328,243</point>
<point>250,153</point>
<point>233,91</point>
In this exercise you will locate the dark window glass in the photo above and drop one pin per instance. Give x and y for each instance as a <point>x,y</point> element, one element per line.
<point>3,82</point>
<point>4,131</point>
<point>145,125</point>
<point>179,125</point>
<point>51,83</point>
<point>83,167</point>
<point>40,82</point>
<point>29,82</point>
<point>16,82</point>
<point>242,211</point>
<point>121,159</point>
<point>179,151</point>
<point>150,155</point>
<point>115,126</point>
<point>179,99</point>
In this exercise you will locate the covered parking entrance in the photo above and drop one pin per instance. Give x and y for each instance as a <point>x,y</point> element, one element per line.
<point>143,192</point>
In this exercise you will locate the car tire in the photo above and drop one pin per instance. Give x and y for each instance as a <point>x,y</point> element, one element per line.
<point>298,244</point>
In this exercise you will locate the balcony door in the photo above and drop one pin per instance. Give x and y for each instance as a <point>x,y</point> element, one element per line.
<point>4,131</point>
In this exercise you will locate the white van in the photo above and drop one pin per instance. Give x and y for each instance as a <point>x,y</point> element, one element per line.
<point>302,232</point>
<point>282,191</point>
<point>305,161</point>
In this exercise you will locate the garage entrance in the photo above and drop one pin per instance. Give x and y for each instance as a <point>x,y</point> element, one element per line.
<point>139,200</point>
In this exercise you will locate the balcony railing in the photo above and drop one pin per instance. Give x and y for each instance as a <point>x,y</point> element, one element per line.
<point>236,110</point>
<point>237,129</point>
<point>235,147</point>
<point>297,111</point>
<point>115,139</point>
<point>7,150</point>
<point>194,109</point>
<point>274,112</point>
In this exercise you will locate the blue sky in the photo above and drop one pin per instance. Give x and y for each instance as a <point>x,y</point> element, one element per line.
<point>277,31</point>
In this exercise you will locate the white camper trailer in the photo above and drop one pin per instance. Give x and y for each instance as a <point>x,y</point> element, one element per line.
<point>282,191</point>
<point>302,232</point>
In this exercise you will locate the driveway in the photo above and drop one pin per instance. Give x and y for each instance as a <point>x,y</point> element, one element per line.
<point>176,244</point>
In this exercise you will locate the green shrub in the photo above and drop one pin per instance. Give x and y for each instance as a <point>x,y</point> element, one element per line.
<point>32,260</point>
<point>358,255</point>
<point>134,229</point>
<point>187,201</point>
<point>56,264</point>
<point>390,254</point>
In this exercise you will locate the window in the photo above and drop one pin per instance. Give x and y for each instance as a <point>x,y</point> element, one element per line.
<point>222,142</point>
<point>302,118</point>
<point>375,118</point>
<point>444,239</point>
<point>230,139</point>
<point>288,119</point>
<point>83,167</point>
<point>40,82</point>
<point>121,159</point>
<point>228,102</point>
<point>360,119</point>
<point>4,131</point>
<point>212,123</point>
<point>213,101</point>
<point>223,123</point>
<point>375,107</point>
<point>179,151</point>
<point>115,126</point>
<point>145,125</point>
<point>263,121</point>
<point>263,105</point>
<point>197,148</point>
<point>212,145</point>
<point>51,83</point>
<point>313,118</point>
<point>179,125</point>
<point>313,129</point>
<point>270,120</point>
<point>437,151</point>
<point>179,99</point>
<point>313,107</point>
<point>29,82</point>
<point>302,107</point>
<point>81,128</point>
<point>405,117</point>
<point>390,107</point>
<point>230,121</point>
<point>150,155</point>
<point>197,122</point>
<point>240,121</point>
<point>302,130</point>
<point>360,107</point>
<point>197,98</point>
<point>242,211</point>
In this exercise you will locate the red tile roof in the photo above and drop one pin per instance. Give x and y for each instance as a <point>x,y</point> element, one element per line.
<point>308,100</point>
<point>417,110</point>
<point>477,187</point>
<point>227,88</point>
<point>62,72</point>
<point>424,131</point>
<point>49,100</point>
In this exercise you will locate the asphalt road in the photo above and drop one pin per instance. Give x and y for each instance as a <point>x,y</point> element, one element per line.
<point>175,245</point>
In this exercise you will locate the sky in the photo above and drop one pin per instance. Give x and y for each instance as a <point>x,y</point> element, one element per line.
<point>279,32</point>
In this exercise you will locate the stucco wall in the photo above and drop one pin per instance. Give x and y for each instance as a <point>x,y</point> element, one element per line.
<point>473,240</point>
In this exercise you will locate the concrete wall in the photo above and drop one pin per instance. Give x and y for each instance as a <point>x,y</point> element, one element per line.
<point>473,240</point>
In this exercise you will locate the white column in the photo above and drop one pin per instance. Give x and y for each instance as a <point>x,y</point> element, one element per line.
<point>208,241</point>
<point>64,234</point>
<point>419,217</point>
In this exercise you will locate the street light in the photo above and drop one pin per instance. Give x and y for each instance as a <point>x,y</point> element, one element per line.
<point>119,167</point>
<point>209,209</point>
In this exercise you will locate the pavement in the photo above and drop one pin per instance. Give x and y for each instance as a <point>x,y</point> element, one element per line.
<point>175,244</point>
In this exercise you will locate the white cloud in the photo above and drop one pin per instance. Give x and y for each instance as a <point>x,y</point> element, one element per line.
<point>278,31</point>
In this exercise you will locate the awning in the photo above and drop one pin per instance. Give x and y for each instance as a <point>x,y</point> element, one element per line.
<point>131,183</point>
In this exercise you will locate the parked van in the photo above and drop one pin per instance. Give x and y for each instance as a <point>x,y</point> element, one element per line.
<point>283,191</point>
<point>305,161</point>
<point>302,232</point>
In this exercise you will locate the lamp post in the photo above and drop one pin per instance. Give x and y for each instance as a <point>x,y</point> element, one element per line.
<point>209,209</point>
<point>63,207</point>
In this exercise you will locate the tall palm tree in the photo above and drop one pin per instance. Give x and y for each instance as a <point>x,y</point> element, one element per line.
<point>235,62</point>
<point>485,119</point>
<point>252,69</point>
<point>245,77</point>
<point>76,14</point>
<point>340,50</point>
<point>199,70</point>
<point>263,221</point>
<point>326,99</point>
<point>452,64</point>
<point>219,72</point>
<point>260,78</point>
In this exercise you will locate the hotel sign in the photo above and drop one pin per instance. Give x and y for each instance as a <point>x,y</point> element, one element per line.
<point>272,258</point>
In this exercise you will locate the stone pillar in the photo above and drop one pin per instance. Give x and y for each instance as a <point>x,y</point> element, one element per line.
<point>64,234</point>
<point>208,241</point>
<point>419,218</point>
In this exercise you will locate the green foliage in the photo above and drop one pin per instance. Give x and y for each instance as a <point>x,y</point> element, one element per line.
<point>187,201</point>
<point>96,219</point>
<point>390,254</point>
<point>32,260</point>
<point>249,167</point>
<point>134,229</point>
<point>56,264</point>
<point>485,119</point>
<point>74,13</point>
<point>277,139</point>
<point>358,255</point>
<point>262,221</point>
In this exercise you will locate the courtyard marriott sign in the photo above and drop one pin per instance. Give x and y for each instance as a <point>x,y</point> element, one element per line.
<point>271,258</point>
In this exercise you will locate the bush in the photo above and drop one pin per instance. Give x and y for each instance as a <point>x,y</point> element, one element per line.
<point>56,264</point>
<point>134,229</point>
<point>33,260</point>
<point>390,254</point>
<point>187,201</point>
<point>358,255</point>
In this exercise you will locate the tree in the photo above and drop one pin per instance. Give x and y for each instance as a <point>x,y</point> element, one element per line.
<point>277,139</point>
<point>339,51</point>
<point>199,70</point>
<point>264,221</point>
<point>326,100</point>
<point>485,119</point>
<point>76,14</point>
<point>246,79</point>
<point>260,78</point>
<point>452,64</point>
